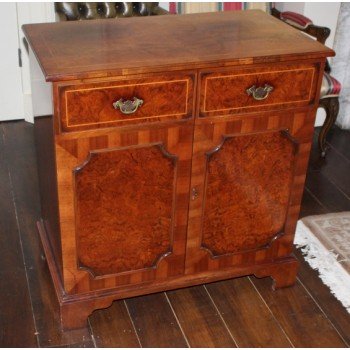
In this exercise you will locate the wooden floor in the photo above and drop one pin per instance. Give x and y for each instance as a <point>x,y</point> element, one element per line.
<point>242,312</point>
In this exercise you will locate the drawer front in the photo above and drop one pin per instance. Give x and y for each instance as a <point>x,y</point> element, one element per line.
<point>95,105</point>
<point>249,90</point>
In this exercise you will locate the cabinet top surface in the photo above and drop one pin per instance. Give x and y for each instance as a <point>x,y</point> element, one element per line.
<point>102,48</point>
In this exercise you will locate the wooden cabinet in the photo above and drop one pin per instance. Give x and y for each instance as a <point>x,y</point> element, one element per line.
<point>185,169</point>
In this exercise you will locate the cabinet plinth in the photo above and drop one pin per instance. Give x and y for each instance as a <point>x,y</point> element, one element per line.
<point>175,166</point>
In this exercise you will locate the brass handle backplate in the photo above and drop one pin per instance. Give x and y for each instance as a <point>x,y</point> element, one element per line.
<point>128,106</point>
<point>259,93</point>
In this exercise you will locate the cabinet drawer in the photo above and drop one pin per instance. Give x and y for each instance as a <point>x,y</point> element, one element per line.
<point>120,102</point>
<point>263,88</point>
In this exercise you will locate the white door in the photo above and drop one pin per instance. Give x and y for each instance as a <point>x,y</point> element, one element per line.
<point>11,95</point>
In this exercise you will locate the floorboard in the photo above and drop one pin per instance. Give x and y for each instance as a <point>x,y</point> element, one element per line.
<point>327,193</point>
<point>17,327</point>
<point>155,322</point>
<point>20,154</point>
<point>335,167</point>
<point>85,344</point>
<point>200,319</point>
<point>113,328</point>
<point>311,205</point>
<point>302,320</point>
<point>339,140</point>
<point>334,310</point>
<point>246,314</point>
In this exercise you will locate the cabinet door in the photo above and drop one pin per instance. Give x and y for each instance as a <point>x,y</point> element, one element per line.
<point>123,205</point>
<point>247,181</point>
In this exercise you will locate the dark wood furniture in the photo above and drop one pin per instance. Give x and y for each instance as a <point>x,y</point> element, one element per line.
<point>176,161</point>
<point>74,11</point>
<point>330,88</point>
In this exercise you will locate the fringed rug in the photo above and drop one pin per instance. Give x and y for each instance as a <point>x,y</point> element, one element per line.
<point>325,243</point>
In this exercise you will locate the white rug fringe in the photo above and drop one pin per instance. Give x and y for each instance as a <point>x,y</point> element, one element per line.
<point>325,262</point>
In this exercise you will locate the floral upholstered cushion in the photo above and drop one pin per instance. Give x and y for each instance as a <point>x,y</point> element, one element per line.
<point>330,86</point>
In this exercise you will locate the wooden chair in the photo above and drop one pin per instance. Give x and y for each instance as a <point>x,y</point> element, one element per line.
<point>330,89</point>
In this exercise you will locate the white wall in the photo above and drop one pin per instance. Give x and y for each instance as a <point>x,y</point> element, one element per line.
<point>164,5</point>
<point>323,14</point>
<point>15,86</point>
<point>11,101</point>
<point>341,66</point>
<point>31,12</point>
<point>297,7</point>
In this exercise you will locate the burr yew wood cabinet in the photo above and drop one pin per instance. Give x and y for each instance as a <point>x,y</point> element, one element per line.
<point>175,154</point>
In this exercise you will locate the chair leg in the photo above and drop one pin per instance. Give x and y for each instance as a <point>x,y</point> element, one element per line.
<point>331,106</point>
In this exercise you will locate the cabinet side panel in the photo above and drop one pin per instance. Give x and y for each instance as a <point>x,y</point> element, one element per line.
<point>44,143</point>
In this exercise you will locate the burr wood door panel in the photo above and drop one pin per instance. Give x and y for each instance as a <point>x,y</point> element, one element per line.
<point>123,198</point>
<point>247,178</point>
<point>124,201</point>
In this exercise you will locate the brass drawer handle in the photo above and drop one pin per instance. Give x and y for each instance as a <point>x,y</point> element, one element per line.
<point>128,106</point>
<point>259,93</point>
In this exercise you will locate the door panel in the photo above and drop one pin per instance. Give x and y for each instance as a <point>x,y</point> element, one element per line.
<point>246,187</point>
<point>123,205</point>
<point>248,182</point>
<point>131,191</point>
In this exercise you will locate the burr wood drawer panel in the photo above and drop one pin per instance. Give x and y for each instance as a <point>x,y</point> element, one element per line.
<point>119,102</point>
<point>247,90</point>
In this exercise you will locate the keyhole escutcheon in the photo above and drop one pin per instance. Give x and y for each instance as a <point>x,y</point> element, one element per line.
<point>194,193</point>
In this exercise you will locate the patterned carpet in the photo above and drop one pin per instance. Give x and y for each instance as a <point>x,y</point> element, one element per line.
<point>325,243</point>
